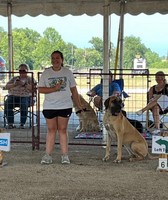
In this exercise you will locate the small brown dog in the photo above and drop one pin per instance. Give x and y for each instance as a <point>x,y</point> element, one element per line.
<point>118,127</point>
<point>88,121</point>
<point>1,157</point>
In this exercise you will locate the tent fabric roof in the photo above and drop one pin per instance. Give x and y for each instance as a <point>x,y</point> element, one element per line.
<point>79,7</point>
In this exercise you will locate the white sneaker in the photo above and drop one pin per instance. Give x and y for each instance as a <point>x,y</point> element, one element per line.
<point>65,159</point>
<point>46,159</point>
<point>155,132</point>
<point>139,112</point>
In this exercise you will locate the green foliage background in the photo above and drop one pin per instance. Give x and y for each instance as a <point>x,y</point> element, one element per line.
<point>34,49</point>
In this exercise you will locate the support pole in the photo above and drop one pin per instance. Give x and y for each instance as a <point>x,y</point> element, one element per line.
<point>106,53</point>
<point>121,36</point>
<point>10,40</point>
<point>106,57</point>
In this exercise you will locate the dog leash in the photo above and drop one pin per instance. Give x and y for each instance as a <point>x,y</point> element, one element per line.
<point>83,110</point>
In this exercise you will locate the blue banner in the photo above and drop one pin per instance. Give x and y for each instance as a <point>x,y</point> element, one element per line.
<point>3,142</point>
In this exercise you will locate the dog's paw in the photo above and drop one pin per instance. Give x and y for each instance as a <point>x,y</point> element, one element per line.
<point>83,130</point>
<point>131,159</point>
<point>106,158</point>
<point>117,161</point>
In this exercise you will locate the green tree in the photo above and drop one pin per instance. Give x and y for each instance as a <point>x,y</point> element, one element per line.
<point>160,65</point>
<point>80,56</point>
<point>132,47</point>
<point>32,48</point>
<point>50,42</point>
<point>4,43</point>
<point>94,58</point>
<point>2,33</point>
<point>97,44</point>
<point>69,54</point>
<point>152,58</point>
<point>24,43</point>
<point>87,58</point>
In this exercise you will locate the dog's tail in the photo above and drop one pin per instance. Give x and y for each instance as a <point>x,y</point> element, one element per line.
<point>150,157</point>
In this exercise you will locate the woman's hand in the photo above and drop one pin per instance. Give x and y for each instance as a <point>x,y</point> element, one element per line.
<point>57,86</point>
<point>19,83</point>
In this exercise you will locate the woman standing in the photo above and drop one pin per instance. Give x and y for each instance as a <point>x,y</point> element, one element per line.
<point>59,86</point>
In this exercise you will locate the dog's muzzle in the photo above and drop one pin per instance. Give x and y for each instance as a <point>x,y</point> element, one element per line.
<point>116,109</point>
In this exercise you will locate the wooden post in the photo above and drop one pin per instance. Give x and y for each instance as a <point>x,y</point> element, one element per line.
<point>163,158</point>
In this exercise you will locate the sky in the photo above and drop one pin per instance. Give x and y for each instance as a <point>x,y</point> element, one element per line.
<point>79,30</point>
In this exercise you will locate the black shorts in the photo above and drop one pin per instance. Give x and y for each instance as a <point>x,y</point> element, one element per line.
<point>49,114</point>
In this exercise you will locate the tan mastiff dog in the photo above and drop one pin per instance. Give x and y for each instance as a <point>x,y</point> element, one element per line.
<point>123,131</point>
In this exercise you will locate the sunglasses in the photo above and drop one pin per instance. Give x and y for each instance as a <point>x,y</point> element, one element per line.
<point>22,71</point>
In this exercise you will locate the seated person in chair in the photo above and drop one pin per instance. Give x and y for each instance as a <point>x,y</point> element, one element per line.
<point>96,92</point>
<point>155,95</point>
<point>20,89</point>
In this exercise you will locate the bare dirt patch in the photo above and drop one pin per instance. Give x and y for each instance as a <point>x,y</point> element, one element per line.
<point>86,178</point>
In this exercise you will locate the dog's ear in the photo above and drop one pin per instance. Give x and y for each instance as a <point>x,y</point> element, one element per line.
<point>106,103</point>
<point>124,113</point>
<point>121,102</point>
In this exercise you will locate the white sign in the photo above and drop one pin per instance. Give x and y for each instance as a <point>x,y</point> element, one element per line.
<point>163,101</point>
<point>5,141</point>
<point>162,163</point>
<point>159,145</point>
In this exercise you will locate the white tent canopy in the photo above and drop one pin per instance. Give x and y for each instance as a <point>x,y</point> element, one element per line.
<point>79,7</point>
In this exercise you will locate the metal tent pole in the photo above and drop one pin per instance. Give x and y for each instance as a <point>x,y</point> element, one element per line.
<point>10,41</point>
<point>106,57</point>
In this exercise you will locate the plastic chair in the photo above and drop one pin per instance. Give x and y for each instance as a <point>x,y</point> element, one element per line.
<point>163,115</point>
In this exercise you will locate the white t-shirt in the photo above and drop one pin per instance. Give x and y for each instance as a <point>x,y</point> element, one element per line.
<point>59,99</point>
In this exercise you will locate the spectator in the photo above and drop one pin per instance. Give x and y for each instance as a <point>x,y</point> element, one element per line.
<point>59,86</point>
<point>96,92</point>
<point>155,96</point>
<point>20,89</point>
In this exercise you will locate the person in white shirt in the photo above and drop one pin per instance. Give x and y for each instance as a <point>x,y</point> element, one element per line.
<point>59,86</point>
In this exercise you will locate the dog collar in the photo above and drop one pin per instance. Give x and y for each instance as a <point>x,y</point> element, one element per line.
<point>115,113</point>
<point>79,111</point>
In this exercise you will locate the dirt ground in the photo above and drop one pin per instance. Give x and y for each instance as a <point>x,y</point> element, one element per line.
<point>86,178</point>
